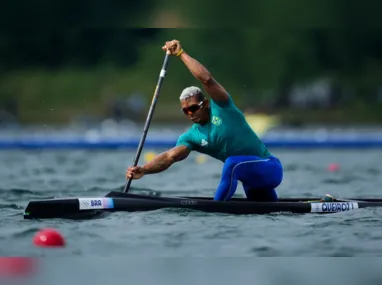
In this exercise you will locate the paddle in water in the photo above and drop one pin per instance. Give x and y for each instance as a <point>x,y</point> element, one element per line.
<point>149,116</point>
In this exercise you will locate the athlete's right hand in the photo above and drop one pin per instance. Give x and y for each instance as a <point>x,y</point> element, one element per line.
<point>173,46</point>
<point>135,172</point>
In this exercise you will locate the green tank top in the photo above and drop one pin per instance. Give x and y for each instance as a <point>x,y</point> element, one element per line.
<point>227,134</point>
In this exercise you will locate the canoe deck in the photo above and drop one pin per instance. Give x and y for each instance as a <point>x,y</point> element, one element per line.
<point>118,201</point>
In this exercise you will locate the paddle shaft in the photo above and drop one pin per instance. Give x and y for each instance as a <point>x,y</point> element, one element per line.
<point>149,116</point>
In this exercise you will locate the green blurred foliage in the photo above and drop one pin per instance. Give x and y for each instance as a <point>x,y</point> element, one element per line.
<point>72,57</point>
<point>296,14</point>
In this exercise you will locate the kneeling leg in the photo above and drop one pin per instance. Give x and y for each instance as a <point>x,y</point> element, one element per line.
<point>260,195</point>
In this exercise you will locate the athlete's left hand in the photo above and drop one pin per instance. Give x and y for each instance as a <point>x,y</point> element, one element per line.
<point>135,172</point>
<point>173,46</point>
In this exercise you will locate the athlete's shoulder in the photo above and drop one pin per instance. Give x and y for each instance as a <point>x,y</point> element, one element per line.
<point>192,130</point>
<point>189,132</point>
<point>223,104</point>
<point>187,138</point>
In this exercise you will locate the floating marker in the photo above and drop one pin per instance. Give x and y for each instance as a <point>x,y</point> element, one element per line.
<point>149,156</point>
<point>14,267</point>
<point>333,167</point>
<point>48,238</point>
<point>200,158</point>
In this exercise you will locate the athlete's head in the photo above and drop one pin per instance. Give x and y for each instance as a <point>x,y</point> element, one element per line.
<point>195,105</point>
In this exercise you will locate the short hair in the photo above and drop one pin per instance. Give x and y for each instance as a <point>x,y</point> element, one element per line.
<point>191,92</point>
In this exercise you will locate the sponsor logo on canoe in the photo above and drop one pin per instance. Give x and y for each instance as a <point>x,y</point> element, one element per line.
<point>333,207</point>
<point>95,203</point>
<point>188,202</point>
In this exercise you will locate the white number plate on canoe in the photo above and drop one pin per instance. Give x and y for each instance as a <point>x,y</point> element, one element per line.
<point>96,203</point>
<point>333,207</point>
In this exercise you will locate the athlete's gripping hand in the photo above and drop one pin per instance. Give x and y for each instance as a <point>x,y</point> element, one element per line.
<point>135,172</point>
<point>174,47</point>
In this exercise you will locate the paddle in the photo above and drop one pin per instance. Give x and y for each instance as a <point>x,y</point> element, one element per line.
<point>149,116</point>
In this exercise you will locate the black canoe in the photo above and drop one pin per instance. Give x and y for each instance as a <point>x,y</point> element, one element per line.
<point>117,201</point>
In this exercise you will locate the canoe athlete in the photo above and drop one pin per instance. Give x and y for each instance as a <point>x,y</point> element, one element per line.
<point>221,131</point>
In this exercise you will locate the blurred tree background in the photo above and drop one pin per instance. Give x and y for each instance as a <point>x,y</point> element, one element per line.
<point>320,62</point>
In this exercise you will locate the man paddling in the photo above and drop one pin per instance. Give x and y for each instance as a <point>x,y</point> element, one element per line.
<point>220,130</point>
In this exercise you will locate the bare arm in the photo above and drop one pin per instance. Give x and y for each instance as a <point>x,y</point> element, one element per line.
<point>164,160</point>
<point>213,88</point>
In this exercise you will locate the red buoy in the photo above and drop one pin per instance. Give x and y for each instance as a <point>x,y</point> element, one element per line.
<point>48,238</point>
<point>11,267</point>
<point>333,167</point>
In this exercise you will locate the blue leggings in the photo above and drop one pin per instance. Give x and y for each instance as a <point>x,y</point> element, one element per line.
<point>259,176</point>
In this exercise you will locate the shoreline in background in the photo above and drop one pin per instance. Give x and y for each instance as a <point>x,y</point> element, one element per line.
<point>166,113</point>
<point>67,95</point>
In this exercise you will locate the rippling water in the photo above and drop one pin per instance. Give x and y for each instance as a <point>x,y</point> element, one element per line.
<point>29,175</point>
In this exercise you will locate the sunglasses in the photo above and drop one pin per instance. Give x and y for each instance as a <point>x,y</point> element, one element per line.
<point>192,109</point>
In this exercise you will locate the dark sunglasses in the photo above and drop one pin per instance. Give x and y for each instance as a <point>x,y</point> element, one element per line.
<point>192,109</point>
